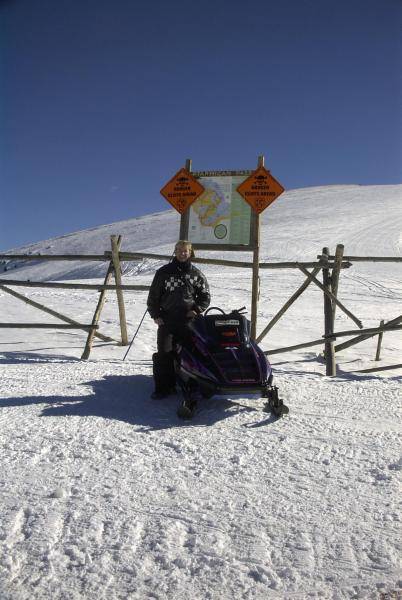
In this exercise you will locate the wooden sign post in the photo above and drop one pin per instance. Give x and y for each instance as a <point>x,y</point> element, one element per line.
<point>186,214</point>
<point>255,291</point>
<point>259,190</point>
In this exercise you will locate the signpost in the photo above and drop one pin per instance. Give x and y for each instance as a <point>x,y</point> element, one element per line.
<point>220,210</point>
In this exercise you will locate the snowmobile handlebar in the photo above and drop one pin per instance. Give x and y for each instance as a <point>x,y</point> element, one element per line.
<point>239,311</point>
<point>214,308</point>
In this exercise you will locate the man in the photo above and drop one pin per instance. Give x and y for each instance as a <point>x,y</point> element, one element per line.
<point>179,292</point>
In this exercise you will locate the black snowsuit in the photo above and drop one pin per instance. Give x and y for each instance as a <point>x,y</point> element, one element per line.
<point>177,288</point>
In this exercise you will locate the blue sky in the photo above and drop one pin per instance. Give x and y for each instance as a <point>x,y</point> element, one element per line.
<point>102,102</point>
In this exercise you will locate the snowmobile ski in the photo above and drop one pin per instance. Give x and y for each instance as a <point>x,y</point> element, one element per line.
<point>187,409</point>
<point>275,404</point>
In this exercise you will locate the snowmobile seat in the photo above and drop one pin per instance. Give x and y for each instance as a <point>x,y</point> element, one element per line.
<point>223,330</point>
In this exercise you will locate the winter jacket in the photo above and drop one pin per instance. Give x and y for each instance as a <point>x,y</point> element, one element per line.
<point>177,288</point>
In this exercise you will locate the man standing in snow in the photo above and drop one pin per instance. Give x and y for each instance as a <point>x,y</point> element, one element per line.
<point>179,292</point>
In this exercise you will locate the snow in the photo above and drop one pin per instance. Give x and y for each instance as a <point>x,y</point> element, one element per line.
<point>105,493</point>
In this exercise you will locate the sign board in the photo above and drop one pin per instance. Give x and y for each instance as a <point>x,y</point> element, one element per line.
<point>260,189</point>
<point>182,190</point>
<point>220,216</point>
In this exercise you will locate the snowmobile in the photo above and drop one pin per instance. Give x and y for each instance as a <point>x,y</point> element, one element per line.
<point>220,358</point>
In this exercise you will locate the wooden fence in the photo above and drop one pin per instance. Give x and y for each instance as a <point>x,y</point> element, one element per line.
<point>330,266</point>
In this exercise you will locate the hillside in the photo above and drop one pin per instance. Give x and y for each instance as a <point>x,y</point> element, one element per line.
<point>296,226</point>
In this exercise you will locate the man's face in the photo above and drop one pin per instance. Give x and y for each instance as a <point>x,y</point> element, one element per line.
<point>183,253</point>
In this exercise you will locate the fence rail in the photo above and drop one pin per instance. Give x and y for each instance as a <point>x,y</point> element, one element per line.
<point>99,257</point>
<point>72,286</point>
<point>45,326</point>
<point>353,259</point>
<point>134,256</point>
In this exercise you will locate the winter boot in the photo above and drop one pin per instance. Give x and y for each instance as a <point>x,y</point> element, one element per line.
<point>164,375</point>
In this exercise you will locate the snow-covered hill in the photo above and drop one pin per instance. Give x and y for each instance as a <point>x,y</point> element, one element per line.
<point>366,219</point>
<point>106,494</point>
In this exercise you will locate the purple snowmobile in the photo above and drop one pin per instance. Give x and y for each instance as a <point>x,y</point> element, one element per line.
<point>220,358</point>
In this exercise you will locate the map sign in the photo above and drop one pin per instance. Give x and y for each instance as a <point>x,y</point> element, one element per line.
<point>220,215</point>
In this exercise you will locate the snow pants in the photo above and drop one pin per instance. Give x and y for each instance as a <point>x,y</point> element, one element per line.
<point>163,359</point>
<point>163,371</point>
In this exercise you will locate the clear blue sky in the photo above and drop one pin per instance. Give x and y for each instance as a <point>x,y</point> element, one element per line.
<point>102,101</point>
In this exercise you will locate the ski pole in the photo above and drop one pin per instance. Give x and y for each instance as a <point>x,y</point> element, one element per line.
<point>135,335</point>
<point>138,328</point>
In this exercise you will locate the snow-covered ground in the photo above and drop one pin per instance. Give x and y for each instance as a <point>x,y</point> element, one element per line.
<point>107,494</point>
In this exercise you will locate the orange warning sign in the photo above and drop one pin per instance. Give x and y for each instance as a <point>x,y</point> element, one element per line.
<point>182,190</point>
<point>260,189</point>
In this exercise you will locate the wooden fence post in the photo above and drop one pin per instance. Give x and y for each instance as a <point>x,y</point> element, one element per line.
<point>119,292</point>
<point>256,278</point>
<point>335,275</point>
<point>98,309</point>
<point>379,342</point>
<point>328,319</point>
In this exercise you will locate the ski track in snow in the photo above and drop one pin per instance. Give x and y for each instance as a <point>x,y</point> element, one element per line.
<point>107,494</point>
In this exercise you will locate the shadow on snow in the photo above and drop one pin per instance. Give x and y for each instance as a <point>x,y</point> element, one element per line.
<point>126,398</point>
<point>17,358</point>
